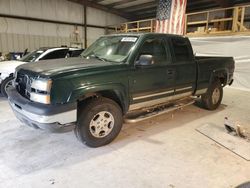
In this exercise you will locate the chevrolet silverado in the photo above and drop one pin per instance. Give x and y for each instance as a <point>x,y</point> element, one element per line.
<point>116,76</point>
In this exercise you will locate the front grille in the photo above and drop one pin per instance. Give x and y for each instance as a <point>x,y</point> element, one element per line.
<point>23,84</point>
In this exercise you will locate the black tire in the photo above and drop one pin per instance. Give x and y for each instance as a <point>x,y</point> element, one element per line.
<point>4,85</point>
<point>209,100</point>
<point>90,111</point>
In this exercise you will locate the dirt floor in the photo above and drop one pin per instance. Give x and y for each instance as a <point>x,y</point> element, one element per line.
<point>165,151</point>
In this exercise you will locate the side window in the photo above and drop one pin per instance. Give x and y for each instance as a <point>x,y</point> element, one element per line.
<point>156,48</point>
<point>181,49</point>
<point>56,54</point>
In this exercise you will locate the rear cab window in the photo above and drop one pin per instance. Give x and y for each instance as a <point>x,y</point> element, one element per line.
<point>182,50</point>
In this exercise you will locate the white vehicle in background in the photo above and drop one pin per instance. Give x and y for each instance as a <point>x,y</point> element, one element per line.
<point>7,68</point>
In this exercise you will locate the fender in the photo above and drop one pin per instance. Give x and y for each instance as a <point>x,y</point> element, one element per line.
<point>91,90</point>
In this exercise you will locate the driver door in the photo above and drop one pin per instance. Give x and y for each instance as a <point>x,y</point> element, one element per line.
<point>150,84</point>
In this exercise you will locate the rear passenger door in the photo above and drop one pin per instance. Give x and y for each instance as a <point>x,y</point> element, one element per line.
<point>185,67</point>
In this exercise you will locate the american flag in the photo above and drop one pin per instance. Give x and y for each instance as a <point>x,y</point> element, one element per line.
<point>170,17</point>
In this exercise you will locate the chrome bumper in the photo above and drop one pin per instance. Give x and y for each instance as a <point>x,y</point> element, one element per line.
<point>47,117</point>
<point>55,123</point>
<point>62,118</point>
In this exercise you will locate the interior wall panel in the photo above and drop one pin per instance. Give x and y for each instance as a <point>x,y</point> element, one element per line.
<point>48,9</point>
<point>17,34</point>
<point>5,6</point>
<point>4,42</point>
<point>94,33</point>
<point>17,7</point>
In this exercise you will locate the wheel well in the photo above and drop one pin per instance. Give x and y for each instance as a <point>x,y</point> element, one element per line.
<point>106,93</point>
<point>222,78</point>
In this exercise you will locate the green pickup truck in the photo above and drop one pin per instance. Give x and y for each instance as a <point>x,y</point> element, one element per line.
<point>117,77</point>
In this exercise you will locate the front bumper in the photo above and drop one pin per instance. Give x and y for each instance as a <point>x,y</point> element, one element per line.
<point>54,118</point>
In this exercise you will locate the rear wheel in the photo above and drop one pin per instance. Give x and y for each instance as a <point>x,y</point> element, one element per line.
<point>99,122</point>
<point>6,83</point>
<point>212,99</point>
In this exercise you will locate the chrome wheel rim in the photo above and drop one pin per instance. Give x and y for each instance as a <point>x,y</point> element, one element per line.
<point>8,84</point>
<point>101,124</point>
<point>216,96</point>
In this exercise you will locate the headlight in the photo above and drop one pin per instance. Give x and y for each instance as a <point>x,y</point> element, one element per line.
<point>40,91</point>
<point>41,85</point>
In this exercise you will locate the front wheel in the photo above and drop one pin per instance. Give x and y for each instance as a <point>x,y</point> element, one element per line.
<point>99,122</point>
<point>6,83</point>
<point>212,99</point>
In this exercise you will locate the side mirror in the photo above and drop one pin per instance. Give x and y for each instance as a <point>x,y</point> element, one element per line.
<point>145,60</point>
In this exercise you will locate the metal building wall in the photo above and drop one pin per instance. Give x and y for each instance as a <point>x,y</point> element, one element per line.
<point>18,34</point>
<point>98,17</point>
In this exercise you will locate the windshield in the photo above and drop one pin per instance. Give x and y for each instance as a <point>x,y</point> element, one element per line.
<point>111,48</point>
<point>32,56</point>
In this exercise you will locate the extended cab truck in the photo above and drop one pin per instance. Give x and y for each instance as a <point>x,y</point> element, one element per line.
<point>115,76</point>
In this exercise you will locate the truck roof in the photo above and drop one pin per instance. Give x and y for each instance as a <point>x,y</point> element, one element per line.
<point>143,34</point>
<point>58,48</point>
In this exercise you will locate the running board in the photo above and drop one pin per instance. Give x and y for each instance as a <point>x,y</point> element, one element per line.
<point>165,108</point>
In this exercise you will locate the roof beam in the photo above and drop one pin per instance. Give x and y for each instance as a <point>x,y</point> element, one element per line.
<point>139,7</point>
<point>193,3</point>
<point>201,5</point>
<point>145,11</point>
<point>102,7</point>
<point>98,1</point>
<point>146,16</point>
<point>224,3</point>
<point>202,8</point>
<point>119,3</point>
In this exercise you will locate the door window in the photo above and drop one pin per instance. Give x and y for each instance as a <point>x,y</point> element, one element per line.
<point>156,48</point>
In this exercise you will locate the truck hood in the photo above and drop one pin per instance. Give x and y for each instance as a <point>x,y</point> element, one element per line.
<point>9,67</point>
<point>58,66</point>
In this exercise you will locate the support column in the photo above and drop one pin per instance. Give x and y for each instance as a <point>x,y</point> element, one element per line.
<point>85,25</point>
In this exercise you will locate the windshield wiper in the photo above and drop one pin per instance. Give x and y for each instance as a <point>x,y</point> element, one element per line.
<point>95,56</point>
<point>98,57</point>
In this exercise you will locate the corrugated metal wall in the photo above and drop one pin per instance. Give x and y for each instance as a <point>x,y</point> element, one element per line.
<point>17,35</point>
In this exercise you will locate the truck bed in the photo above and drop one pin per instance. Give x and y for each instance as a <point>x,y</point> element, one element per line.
<point>208,64</point>
<point>210,57</point>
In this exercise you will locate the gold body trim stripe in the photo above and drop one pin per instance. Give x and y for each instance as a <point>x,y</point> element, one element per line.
<point>152,95</point>
<point>185,88</point>
<point>161,93</point>
<point>158,101</point>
